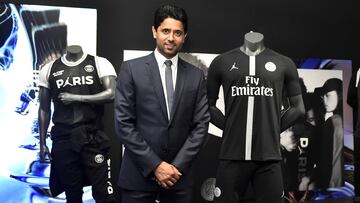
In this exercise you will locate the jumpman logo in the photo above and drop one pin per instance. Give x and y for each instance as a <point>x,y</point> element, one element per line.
<point>67,82</point>
<point>233,67</point>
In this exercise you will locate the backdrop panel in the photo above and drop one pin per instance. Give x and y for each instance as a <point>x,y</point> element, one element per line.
<point>32,36</point>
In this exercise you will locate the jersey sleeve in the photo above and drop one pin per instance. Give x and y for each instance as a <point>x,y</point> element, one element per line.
<point>104,67</point>
<point>292,81</point>
<point>44,75</point>
<point>214,79</point>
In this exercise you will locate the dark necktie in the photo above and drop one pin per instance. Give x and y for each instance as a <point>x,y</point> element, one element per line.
<point>169,84</point>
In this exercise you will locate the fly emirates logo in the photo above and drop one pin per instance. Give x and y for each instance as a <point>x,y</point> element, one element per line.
<point>75,81</point>
<point>252,88</point>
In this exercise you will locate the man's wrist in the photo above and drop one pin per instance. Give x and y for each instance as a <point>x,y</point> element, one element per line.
<point>158,165</point>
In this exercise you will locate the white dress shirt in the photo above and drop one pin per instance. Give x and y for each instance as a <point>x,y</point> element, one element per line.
<point>160,60</point>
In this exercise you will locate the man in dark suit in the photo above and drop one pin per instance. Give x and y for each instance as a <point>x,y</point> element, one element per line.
<point>161,116</point>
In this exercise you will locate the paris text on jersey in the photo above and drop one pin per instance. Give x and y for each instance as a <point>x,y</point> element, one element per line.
<point>75,81</point>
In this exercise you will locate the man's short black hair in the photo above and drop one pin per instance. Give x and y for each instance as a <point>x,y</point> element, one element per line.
<point>170,11</point>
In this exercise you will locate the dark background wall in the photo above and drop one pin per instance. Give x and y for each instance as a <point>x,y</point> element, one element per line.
<point>298,29</point>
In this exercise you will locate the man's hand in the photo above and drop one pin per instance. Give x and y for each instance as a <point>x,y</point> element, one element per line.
<point>44,154</point>
<point>166,175</point>
<point>68,98</point>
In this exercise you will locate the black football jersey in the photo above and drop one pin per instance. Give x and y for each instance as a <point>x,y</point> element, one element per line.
<point>253,88</point>
<point>80,79</point>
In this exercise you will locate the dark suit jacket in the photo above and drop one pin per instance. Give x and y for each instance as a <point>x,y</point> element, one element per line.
<point>143,126</point>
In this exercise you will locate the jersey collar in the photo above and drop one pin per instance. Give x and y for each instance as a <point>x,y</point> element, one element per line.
<point>73,63</point>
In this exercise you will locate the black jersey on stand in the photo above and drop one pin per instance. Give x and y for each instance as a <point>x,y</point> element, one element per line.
<point>80,79</point>
<point>253,87</point>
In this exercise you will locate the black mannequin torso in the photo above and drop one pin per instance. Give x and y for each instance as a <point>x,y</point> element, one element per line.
<point>253,43</point>
<point>74,53</point>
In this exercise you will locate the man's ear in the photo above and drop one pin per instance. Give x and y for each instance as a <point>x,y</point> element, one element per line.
<point>154,32</point>
<point>184,37</point>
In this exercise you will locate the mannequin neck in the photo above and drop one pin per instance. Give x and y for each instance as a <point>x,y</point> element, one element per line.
<point>253,43</point>
<point>74,53</point>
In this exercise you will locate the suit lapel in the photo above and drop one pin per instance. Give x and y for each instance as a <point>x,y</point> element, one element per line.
<point>180,81</point>
<point>153,68</point>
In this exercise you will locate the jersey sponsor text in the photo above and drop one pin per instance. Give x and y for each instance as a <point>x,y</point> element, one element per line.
<point>75,81</point>
<point>252,90</point>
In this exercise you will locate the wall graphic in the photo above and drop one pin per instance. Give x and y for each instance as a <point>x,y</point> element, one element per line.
<point>318,153</point>
<point>303,156</point>
<point>31,36</point>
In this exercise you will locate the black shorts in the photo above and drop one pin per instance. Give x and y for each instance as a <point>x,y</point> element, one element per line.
<point>90,166</point>
<point>234,178</point>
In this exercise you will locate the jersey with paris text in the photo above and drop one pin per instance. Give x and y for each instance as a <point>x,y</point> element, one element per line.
<point>253,90</point>
<point>80,79</point>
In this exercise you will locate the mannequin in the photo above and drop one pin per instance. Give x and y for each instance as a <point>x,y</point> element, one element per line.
<point>74,53</point>
<point>252,46</point>
<point>253,43</point>
<point>253,78</point>
<point>78,85</point>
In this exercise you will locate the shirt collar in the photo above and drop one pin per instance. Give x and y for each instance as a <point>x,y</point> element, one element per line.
<point>161,59</point>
